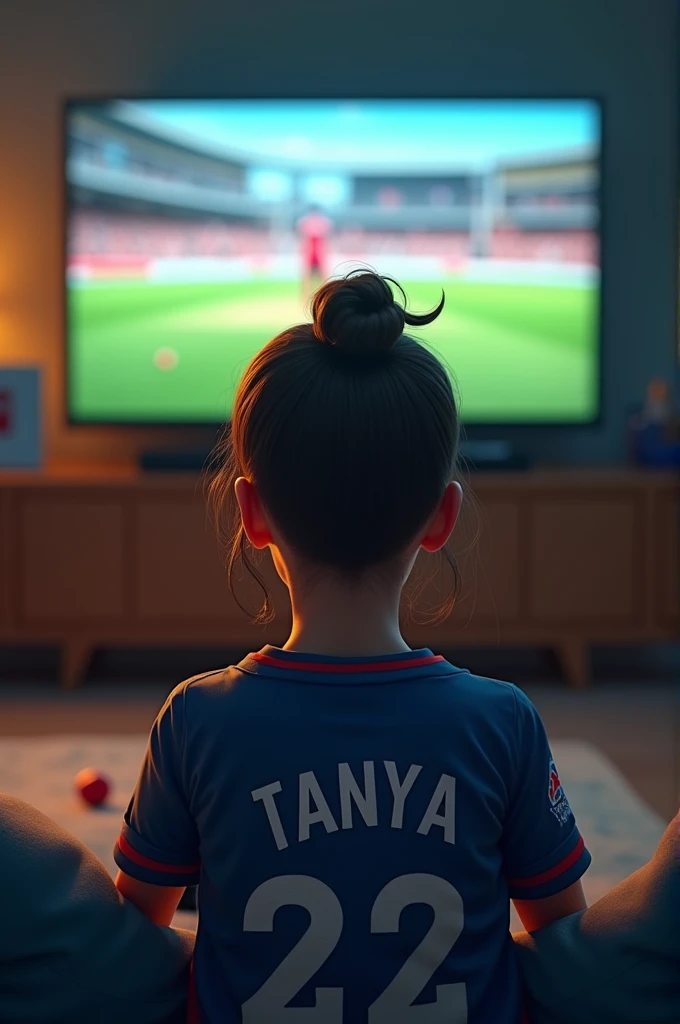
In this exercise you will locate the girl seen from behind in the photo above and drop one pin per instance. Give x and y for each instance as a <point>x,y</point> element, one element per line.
<point>358,814</point>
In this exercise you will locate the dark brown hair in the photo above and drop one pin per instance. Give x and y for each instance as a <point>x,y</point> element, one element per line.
<point>349,430</point>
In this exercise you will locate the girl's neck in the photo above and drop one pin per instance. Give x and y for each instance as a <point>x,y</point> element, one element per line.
<point>345,622</point>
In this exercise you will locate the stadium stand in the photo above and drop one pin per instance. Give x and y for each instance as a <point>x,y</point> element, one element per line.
<point>106,239</point>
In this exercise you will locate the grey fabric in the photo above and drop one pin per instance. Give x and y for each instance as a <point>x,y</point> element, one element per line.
<point>72,951</point>
<point>617,962</point>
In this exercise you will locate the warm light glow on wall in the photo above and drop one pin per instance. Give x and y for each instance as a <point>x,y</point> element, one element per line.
<point>8,353</point>
<point>5,330</point>
<point>4,324</point>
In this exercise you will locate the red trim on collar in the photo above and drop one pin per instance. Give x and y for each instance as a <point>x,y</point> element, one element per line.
<point>335,667</point>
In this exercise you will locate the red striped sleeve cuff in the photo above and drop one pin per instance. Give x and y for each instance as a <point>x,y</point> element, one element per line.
<point>148,869</point>
<point>553,879</point>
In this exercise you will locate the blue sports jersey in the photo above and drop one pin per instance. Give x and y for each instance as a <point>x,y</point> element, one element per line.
<point>356,827</point>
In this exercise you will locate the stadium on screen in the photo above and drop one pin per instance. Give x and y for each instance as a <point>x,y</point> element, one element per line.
<point>197,230</point>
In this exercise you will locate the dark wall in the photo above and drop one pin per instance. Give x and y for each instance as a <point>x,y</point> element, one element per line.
<point>622,50</point>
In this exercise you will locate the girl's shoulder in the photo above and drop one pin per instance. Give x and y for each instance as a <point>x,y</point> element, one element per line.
<point>209,690</point>
<point>490,692</point>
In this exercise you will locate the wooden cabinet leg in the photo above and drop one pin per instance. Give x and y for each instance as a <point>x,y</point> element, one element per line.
<point>75,656</point>
<point>574,658</point>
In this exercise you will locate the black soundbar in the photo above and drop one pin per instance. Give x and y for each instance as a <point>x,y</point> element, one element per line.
<point>166,461</point>
<point>482,456</point>
<point>486,456</point>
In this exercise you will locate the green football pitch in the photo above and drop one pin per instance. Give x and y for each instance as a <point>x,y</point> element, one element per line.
<point>515,352</point>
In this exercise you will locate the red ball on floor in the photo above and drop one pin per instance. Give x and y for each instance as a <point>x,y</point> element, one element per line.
<point>92,786</point>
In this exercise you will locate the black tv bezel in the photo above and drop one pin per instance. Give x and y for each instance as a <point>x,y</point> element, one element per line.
<point>471,426</point>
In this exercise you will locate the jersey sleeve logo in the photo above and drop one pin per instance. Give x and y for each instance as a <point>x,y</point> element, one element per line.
<point>555,791</point>
<point>559,804</point>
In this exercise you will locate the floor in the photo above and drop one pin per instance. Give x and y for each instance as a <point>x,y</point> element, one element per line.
<point>636,725</point>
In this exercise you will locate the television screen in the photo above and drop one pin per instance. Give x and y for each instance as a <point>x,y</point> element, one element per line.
<point>197,230</point>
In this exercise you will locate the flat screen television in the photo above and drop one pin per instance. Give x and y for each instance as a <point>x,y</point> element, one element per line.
<point>195,230</point>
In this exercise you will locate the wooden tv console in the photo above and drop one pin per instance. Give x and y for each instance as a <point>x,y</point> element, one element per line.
<point>103,556</point>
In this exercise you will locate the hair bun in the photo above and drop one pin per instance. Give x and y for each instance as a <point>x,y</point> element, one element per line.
<point>358,314</point>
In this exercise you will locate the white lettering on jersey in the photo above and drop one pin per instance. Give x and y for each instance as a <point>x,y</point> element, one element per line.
<point>313,808</point>
<point>400,790</point>
<point>310,788</point>
<point>446,792</point>
<point>366,802</point>
<point>266,795</point>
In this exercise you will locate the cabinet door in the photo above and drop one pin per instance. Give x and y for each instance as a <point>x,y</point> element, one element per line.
<point>180,569</point>
<point>7,563</point>
<point>70,553</point>
<point>485,544</point>
<point>588,557</point>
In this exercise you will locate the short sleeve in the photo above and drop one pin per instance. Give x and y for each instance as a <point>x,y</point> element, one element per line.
<point>543,852</point>
<point>158,842</point>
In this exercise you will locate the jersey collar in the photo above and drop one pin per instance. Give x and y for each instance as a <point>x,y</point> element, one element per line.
<point>406,665</point>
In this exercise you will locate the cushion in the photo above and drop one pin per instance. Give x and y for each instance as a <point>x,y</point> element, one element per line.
<point>72,951</point>
<point>617,961</point>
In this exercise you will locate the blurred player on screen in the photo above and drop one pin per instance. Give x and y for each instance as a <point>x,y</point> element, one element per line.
<point>314,230</point>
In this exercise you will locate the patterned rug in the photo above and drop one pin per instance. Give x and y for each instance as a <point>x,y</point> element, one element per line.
<point>619,829</point>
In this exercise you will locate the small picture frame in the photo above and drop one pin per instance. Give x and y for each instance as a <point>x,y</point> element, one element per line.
<point>20,418</point>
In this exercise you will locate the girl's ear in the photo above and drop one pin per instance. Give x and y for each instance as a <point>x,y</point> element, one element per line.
<point>252,516</point>
<point>441,524</point>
